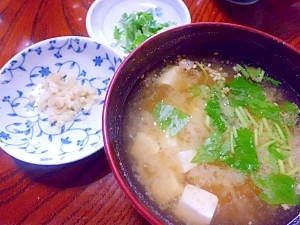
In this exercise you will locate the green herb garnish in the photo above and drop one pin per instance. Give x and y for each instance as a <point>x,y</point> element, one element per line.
<point>210,151</point>
<point>273,81</point>
<point>278,189</point>
<point>136,27</point>
<point>213,110</point>
<point>170,118</point>
<point>291,113</point>
<point>241,91</point>
<point>201,90</point>
<point>244,157</point>
<point>256,74</point>
<point>265,109</point>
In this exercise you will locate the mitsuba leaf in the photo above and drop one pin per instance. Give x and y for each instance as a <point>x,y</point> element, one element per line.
<point>273,149</point>
<point>210,150</point>
<point>242,70</point>
<point>273,81</point>
<point>244,157</point>
<point>134,28</point>
<point>225,149</point>
<point>278,189</point>
<point>265,109</point>
<point>291,113</point>
<point>200,90</point>
<point>213,110</point>
<point>241,91</point>
<point>256,74</point>
<point>170,118</point>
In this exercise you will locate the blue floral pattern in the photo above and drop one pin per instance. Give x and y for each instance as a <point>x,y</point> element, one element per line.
<point>25,133</point>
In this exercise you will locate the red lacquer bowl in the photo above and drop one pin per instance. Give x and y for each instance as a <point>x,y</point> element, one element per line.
<point>245,43</point>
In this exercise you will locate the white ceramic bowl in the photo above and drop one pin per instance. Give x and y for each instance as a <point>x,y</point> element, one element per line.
<point>25,133</point>
<point>104,15</point>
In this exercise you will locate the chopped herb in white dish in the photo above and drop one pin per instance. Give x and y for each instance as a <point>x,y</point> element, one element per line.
<point>134,28</point>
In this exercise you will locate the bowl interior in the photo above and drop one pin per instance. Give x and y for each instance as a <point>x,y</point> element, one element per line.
<point>241,43</point>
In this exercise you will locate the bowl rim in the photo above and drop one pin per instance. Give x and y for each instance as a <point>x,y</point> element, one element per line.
<point>143,210</point>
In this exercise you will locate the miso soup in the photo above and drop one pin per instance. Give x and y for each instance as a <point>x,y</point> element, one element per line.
<point>228,128</point>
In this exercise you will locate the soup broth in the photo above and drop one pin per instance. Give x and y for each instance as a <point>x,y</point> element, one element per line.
<point>153,151</point>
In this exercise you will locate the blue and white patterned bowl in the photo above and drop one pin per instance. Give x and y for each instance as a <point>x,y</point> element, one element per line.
<point>25,133</point>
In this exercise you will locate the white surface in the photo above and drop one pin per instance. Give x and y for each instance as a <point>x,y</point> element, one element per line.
<point>185,158</point>
<point>25,132</point>
<point>104,15</point>
<point>197,205</point>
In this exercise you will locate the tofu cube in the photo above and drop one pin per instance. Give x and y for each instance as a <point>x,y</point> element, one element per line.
<point>196,206</point>
<point>174,77</point>
<point>144,146</point>
<point>174,187</point>
<point>185,158</point>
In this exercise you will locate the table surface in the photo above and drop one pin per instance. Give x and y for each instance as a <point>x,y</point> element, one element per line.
<point>86,192</point>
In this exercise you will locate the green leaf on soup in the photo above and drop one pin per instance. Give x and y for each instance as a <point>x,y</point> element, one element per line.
<point>210,150</point>
<point>273,149</point>
<point>201,90</point>
<point>291,112</point>
<point>256,74</point>
<point>170,118</point>
<point>228,112</point>
<point>278,189</point>
<point>225,148</point>
<point>241,91</point>
<point>273,81</point>
<point>244,157</point>
<point>242,70</point>
<point>265,109</point>
<point>213,110</point>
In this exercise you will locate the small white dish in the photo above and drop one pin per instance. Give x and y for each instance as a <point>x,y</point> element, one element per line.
<point>104,15</point>
<point>25,133</point>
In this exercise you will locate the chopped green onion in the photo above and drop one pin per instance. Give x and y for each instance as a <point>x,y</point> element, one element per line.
<point>266,125</point>
<point>241,118</point>
<point>260,128</point>
<point>280,131</point>
<point>235,135</point>
<point>293,171</point>
<point>256,136</point>
<point>287,147</point>
<point>251,117</point>
<point>281,166</point>
<point>291,163</point>
<point>269,143</point>
<point>207,121</point>
<point>232,142</point>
